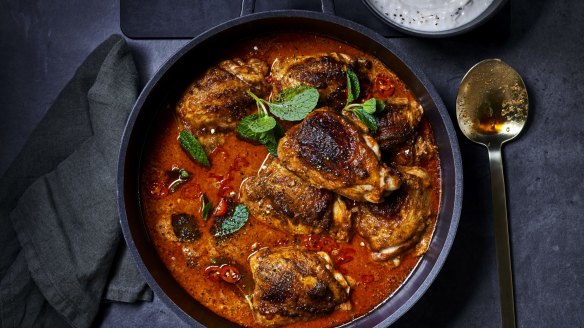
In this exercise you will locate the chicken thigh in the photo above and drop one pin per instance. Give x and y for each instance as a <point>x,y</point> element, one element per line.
<point>281,199</point>
<point>416,150</point>
<point>397,123</point>
<point>216,101</point>
<point>325,72</point>
<point>294,285</point>
<point>399,222</point>
<point>330,152</point>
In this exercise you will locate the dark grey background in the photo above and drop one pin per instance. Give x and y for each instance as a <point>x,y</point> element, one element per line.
<point>43,42</point>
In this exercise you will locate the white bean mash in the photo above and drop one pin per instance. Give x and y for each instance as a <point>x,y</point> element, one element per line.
<point>431,15</point>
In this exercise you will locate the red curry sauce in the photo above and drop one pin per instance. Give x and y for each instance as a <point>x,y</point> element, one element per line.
<point>232,162</point>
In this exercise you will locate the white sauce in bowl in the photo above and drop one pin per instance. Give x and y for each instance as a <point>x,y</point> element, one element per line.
<point>430,15</point>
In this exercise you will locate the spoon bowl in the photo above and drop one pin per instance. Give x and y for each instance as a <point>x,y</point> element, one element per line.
<point>492,103</point>
<point>491,109</point>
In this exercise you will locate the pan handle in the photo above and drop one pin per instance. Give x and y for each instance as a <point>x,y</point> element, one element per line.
<point>248,7</point>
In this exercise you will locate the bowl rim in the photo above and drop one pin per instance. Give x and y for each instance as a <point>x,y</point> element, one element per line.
<point>480,20</point>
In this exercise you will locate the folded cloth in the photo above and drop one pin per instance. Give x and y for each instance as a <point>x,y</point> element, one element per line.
<point>62,251</point>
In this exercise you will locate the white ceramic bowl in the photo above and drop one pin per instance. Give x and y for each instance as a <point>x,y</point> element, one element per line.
<point>462,17</point>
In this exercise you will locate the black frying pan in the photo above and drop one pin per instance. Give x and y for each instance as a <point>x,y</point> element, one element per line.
<point>175,75</point>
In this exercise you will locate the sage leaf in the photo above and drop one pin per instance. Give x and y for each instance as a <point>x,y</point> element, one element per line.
<point>236,221</point>
<point>193,147</point>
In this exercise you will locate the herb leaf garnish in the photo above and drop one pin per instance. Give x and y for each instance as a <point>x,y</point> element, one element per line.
<point>206,207</point>
<point>366,118</point>
<point>292,104</point>
<point>179,176</point>
<point>233,223</point>
<point>365,110</point>
<point>262,124</point>
<point>267,138</point>
<point>193,147</point>
<point>353,87</point>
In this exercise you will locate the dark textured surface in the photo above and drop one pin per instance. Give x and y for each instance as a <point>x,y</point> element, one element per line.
<point>42,43</point>
<point>174,18</point>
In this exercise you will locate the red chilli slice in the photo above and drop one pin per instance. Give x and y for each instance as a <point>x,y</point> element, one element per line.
<point>230,274</point>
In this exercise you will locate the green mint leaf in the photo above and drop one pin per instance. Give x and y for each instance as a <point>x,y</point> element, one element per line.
<point>262,124</point>
<point>353,87</point>
<point>269,138</point>
<point>379,106</point>
<point>179,177</point>
<point>297,103</point>
<point>185,227</point>
<point>270,141</point>
<point>206,207</point>
<point>192,146</point>
<point>235,222</point>
<point>245,131</point>
<point>288,93</point>
<point>183,174</point>
<point>370,106</point>
<point>366,118</point>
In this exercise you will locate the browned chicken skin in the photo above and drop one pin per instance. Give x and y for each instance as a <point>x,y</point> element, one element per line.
<point>325,72</point>
<point>281,199</point>
<point>216,101</point>
<point>330,152</point>
<point>399,222</point>
<point>414,151</point>
<point>294,285</point>
<point>397,123</point>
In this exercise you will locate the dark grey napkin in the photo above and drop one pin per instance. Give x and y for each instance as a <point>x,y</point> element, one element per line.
<point>62,250</point>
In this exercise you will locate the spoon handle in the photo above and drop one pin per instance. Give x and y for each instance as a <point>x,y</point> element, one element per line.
<point>502,237</point>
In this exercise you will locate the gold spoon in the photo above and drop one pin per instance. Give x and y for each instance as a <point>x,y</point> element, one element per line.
<point>491,108</point>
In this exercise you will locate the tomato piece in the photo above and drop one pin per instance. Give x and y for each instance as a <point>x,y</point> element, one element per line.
<point>384,86</point>
<point>327,244</point>
<point>158,190</point>
<point>230,274</point>
<point>221,209</point>
<point>213,272</point>
<point>316,243</point>
<point>344,256</point>
<point>310,242</point>
<point>224,188</point>
<point>367,278</point>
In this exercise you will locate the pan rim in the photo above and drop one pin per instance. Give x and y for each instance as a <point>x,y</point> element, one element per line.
<point>455,203</point>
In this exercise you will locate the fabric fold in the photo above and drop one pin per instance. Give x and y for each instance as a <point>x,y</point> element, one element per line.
<point>60,196</point>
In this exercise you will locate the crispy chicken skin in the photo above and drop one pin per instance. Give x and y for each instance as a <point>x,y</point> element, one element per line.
<point>399,222</point>
<point>279,198</point>
<point>416,150</point>
<point>397,123</point>
<point>217,100</point>
<point>330,152</point>
<point>294,285</point>
<point>325,72</point>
